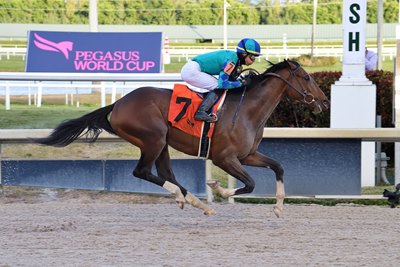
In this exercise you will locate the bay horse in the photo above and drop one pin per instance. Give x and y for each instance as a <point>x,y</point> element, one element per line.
<point>141,118</point>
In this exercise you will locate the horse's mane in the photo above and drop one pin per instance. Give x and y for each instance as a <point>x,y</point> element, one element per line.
<point>274,67</point>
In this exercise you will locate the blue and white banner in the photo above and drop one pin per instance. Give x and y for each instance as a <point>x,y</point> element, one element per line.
<point>94,52</point>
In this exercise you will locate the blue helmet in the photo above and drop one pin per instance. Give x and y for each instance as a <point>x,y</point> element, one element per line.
<point>249,46</point>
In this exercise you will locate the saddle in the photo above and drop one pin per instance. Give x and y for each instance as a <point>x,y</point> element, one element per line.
<point>184,104</point>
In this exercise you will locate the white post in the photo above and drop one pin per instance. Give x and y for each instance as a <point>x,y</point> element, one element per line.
<point>284,45</point>
<point>8,105</point>
<point>113,92</point>
<point>103,94</point>
<point>379,33</point>
<point>93,21</point>
<point>77,97</point>
<point>231,185</point>
<point>39,95</point>
<point>353,97</point>
<point>72,98</point>
<point>29,96</point>
<point>166,56</point>
<point>226,5</point>
<point>314,25</point>
<point>210,196</point>
<point>396,104</point>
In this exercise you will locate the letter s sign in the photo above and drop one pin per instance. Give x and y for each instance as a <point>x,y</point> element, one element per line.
<point>353,9</point>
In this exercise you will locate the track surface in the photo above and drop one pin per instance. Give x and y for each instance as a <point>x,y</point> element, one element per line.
<point>89,231</point>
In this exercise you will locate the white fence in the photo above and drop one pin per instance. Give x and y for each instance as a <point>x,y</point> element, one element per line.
<point>115,82</point>
<point>8,51</point>
<point>279,52</point>
<point>184,53</point>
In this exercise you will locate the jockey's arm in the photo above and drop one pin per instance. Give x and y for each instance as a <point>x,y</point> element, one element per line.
<point>223,79</point>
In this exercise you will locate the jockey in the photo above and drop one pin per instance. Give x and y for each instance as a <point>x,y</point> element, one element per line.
<point>226,64</point>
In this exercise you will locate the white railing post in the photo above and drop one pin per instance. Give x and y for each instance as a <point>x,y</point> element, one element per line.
<point>8,105</point>
<point>39,94</point>
<point>66,98</point>
<point>113,92</point>
<point>210,196</point>
<point>29,96</point>
<point>231,185</point>
<point>103,94</point>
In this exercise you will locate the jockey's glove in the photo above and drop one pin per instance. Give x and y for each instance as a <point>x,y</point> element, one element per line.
<point>246,81</point>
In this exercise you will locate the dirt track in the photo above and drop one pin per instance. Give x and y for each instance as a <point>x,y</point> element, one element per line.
<point>112,231</point>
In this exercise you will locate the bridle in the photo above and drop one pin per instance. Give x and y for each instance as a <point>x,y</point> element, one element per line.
<point>308,98</point>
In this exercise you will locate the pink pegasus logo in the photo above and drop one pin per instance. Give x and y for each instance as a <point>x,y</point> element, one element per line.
<point>61,47</point>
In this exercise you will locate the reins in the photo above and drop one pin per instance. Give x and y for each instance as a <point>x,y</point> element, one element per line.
<point>301,91</point>
<point>251,71</point>
<point>308,98</point>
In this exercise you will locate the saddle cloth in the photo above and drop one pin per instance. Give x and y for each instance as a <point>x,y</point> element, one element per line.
<point>184,104</point>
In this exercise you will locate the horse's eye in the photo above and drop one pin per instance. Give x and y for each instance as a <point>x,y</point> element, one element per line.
<point>307,77</point>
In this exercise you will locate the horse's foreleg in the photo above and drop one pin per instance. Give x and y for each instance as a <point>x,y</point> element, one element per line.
<point>175,190</point>
<point>195,202</point>
<point>233,167</point>
<point>259,160</point>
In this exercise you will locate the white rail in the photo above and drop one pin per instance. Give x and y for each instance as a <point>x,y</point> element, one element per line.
<point>138,79</point>
<point>373,134</point>
<point>187,52</point>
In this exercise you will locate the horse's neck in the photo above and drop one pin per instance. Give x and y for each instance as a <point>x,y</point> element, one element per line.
<point>264,99</point>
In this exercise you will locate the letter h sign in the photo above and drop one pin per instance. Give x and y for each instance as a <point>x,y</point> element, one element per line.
<point>354,37</point>
<point>354,28</point>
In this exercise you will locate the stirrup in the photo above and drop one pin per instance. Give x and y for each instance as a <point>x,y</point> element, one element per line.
<point>203,116</point>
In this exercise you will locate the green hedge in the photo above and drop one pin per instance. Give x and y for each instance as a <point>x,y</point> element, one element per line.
<point>295,114</point>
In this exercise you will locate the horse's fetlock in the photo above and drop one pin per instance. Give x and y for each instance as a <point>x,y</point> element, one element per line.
<point>251,186</point>
<point>248,189</point>
<point>280,196</point>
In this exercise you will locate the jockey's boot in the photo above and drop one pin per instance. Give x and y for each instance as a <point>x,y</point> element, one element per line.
<point>207,103</point>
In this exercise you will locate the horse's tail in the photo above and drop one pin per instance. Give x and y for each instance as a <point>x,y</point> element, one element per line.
<point>68,131</point>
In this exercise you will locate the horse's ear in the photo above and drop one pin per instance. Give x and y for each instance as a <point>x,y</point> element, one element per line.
<point>291,63</point>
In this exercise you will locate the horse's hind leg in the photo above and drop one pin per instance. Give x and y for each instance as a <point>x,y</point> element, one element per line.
<point>164,170</point>
<point>259,160</point>
<point>143,171</point>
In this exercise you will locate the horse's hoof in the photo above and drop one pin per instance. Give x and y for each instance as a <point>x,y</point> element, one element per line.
<point>277,211</point>
<point>213,184</point>
<point>181,204</point>
<point>209,212</point>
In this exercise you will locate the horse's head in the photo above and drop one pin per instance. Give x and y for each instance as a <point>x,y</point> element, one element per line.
<point>300,85</point>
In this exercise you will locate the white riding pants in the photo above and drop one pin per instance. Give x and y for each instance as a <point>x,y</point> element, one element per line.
<point>203,82</point>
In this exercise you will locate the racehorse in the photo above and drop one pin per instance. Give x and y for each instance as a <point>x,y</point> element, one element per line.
<point>141,118</point>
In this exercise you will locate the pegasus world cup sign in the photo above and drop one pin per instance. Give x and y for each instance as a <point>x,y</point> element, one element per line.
<point>94,52</point>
